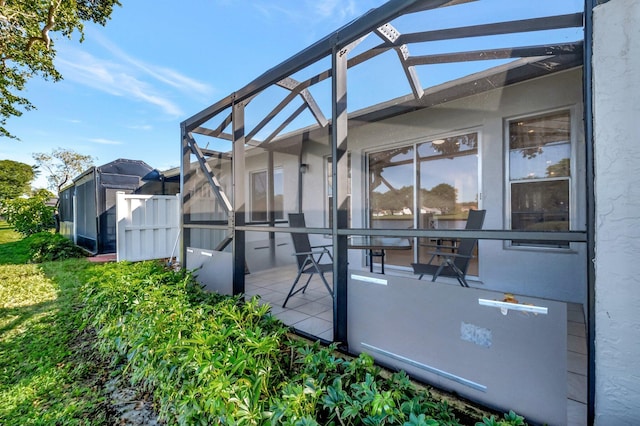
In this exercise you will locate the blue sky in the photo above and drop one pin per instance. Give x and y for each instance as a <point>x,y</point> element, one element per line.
<point>128,86</point>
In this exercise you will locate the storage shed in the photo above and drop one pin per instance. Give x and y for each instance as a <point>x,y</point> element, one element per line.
<point>88,206</point>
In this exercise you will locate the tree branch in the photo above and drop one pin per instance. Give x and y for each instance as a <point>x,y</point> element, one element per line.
<point>44,37</point>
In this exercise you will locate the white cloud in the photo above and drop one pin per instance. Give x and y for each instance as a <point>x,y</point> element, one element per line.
<point>111,78</point>
<point>336,9</point>
<point>144,127</point>
<point>165,75</point>
<point>272,10</point>
<point>124,76</point>
<point>332,10</point>
<point>102,141</point>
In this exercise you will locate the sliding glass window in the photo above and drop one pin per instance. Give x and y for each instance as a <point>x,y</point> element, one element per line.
<point>445,173</point>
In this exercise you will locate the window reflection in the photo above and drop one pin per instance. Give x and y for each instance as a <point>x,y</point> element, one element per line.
<point>445,172</point>
<point>391,188</point>
<point>539,171</point>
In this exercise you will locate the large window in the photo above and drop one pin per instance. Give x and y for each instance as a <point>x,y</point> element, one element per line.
<point>539,174</point>
<point>260,204</point>
<point>391,181</point>
<point>429,185</point>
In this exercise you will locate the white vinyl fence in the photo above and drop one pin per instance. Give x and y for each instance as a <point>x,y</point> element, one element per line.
<point>147,227</point>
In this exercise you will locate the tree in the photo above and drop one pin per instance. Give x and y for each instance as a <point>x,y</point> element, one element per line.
<point>393,200</point>
<point>442,197</point>
<point>62,165</point>
<point>561,168</point>
<point>30,215</point>
<point>15,179</point>
<point>27,48</point>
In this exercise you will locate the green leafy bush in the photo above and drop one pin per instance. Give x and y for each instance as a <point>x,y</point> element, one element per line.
<point>47,247</point>
<point>510,419</point>
<point>210,359</point>
<point>29,215</point>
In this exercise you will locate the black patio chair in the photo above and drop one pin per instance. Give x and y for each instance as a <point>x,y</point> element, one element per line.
<point>453,260</point>
<point>308,257</point>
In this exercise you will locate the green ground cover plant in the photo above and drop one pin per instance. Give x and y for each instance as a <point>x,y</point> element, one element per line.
<point>29,215</point>
<point>36,248</point>
<point>48,247</point>
<point>210,359</point>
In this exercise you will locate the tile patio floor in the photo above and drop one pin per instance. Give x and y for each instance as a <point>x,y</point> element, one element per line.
<point>310,312</point>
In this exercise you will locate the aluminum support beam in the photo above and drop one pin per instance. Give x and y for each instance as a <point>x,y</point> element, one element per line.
<point>291,84</point>
<point>591,208</point>
<point>271,115</point>
<point>574,20</point>
<point>185,174</point>
<point>214,132</point>
<point>506,53</point>
<point>419,7</point>
<point>498,235</point>
<point>238,217</point>
<point>281,127</point>
<point>271,214</point>
<point>339,171</point>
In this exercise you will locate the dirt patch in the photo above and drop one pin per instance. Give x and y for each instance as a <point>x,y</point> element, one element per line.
<point>123,404</point>
<point>128,406</point>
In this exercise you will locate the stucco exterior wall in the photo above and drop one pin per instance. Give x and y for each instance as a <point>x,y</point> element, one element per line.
<point>616,78</point>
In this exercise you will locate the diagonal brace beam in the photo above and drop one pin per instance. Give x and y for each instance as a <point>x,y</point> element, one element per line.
<point>389,34</point>
<point>213,181</point>
<point>281,127</point>
<point>292,85</point>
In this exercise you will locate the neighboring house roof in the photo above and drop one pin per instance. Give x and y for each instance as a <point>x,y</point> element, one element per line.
<point>123,166</point>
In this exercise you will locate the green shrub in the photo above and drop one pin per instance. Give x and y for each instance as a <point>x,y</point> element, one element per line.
<point>47,247</point>
<point>510,419</point>
<point>29,215</point>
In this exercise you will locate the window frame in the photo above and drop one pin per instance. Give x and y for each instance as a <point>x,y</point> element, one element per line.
<point>570,179</point>
<point>327,165</point>
<point>251,212</point>
<point>414,143</point>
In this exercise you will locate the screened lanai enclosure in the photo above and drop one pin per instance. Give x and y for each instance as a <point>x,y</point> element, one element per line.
<point>385,135</point>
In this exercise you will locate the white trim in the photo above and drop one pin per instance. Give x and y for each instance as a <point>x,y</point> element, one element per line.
<point>367,279</point>
<point>506,306</point>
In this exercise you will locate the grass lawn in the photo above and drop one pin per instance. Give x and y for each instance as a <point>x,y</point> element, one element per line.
<point>49,374</point>
<point>13,249</point>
